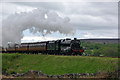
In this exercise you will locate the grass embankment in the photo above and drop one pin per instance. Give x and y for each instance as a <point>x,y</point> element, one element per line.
<point>53,64</point>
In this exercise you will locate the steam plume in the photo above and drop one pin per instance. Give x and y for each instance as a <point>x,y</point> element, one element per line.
<point>39,20</point>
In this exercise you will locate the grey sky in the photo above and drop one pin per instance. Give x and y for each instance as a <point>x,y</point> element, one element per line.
<point>94,19</point>
<point>90,15</point>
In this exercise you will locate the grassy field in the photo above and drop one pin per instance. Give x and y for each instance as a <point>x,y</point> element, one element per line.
<point>53,64</point>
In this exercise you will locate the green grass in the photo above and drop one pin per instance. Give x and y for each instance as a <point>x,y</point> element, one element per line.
<point>98,49</point>
<point>53,64</point>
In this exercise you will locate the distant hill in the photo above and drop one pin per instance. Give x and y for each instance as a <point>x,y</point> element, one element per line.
<point>104,41</point>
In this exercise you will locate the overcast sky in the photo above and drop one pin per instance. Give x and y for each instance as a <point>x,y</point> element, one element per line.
<point>90,19</point>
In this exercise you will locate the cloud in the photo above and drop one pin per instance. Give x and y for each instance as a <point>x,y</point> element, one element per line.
<point>88,16</point>
<point>11,8</point>
<point>83,15</point>
<point>100,34</point>
<point>59,1</point>
<point>87,22</point>
<point>47,5</point>
<point>90,35</point>
<point>39,38</point>
<point>92,8</point>
<point>96,18</point>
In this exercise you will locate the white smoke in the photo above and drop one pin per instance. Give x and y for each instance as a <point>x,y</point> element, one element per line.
<point>39,20</point>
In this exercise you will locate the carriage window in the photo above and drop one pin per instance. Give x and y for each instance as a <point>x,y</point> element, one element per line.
<point>38,45</point>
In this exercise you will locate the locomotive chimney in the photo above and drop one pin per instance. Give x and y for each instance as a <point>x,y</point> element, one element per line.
<point>75,38</point>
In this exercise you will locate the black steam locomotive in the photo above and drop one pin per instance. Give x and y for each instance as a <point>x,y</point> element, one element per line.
<point>58,47</point>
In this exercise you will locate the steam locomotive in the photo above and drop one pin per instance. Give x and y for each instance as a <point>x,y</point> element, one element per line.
<point>58,47</point>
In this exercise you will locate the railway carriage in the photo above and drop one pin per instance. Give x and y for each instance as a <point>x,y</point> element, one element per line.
<point>11,50</point>
<point>23,48</point>
<point>39,47</point>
